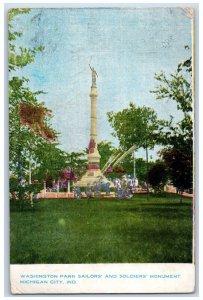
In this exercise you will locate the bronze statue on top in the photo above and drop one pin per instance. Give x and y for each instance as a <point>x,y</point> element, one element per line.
<point>94,75</point>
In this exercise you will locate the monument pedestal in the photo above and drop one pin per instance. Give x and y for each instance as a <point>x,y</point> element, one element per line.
<point>91,177</point>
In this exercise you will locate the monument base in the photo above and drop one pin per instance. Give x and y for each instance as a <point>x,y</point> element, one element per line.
<point>91,177</point>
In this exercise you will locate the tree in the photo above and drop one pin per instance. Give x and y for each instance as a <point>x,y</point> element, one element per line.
<point>142,169</point>
<point>127,164</point>
<point>106,150</point>
<point>29,120</point>
<point>108,154</point>
<point>158,176</point>
<point>77,162</point>
<point>21,57</point>
<point>50,161</point>
<point>179,165</point>
<point>178,137</point>
<point>135,126</point>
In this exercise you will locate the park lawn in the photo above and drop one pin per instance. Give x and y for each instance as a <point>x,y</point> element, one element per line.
<point>139,230</point>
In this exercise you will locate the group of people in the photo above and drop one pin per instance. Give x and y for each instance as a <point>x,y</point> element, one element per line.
<point>94,190</point>
<point>124,188</point>
<point>126,182</point>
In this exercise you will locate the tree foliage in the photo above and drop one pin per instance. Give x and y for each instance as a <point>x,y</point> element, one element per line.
<point>177,86</point>
<point>180,167</point>
<point>106,150</point>
<point>50,160</point>
<point>142,168</point>
<point>19,57</point>
<point>158,176</point>
<point>29,120</point>
<point>77,162</point>
<point>177,137</point>
<point>134,126</point>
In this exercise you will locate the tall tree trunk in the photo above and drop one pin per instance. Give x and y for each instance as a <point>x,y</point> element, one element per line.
<point>147,161</point>
<point>19,170</point>
<point>30,182</point>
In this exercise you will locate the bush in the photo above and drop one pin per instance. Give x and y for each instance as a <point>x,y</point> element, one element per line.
<point>158,176</point>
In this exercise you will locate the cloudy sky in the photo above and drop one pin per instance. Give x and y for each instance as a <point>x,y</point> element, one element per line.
<point>126,47</point>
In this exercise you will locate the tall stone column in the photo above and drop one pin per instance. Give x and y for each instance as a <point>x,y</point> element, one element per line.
<point>93,128</point>
<point>93,155</point>
<point>93,173</point>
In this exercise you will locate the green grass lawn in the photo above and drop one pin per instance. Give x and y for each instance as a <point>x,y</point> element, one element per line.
<point>139,230</point>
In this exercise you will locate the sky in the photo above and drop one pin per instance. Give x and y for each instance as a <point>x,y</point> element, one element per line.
<point>125,46</point>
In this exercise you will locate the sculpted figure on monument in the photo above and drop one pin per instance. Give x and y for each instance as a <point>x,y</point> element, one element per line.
<point>94,75</point>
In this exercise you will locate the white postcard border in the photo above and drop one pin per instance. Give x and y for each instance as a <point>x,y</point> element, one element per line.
<point>102,278</point>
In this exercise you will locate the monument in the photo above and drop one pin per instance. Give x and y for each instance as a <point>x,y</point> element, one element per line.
<point>93,174</point>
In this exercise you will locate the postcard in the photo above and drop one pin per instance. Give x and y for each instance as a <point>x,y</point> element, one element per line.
<point>101,150</point>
